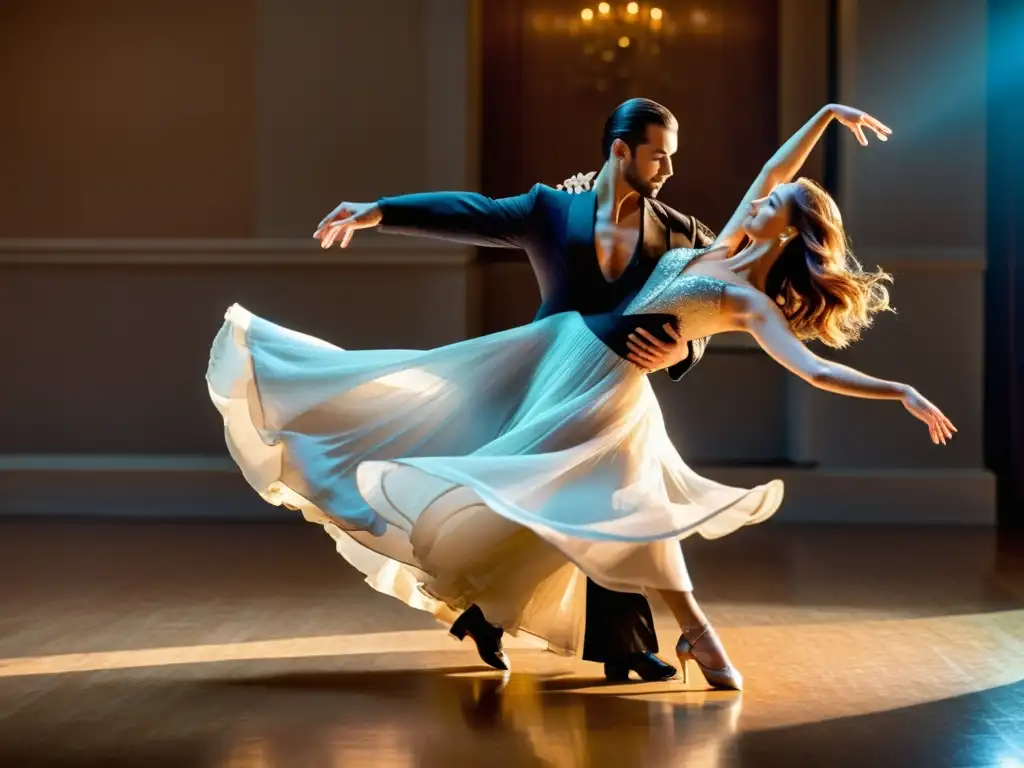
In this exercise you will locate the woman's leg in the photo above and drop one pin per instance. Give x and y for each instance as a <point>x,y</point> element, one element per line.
<point>707,648</point>
<point>684,607</point>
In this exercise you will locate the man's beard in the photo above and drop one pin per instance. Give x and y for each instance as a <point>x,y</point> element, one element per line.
<point>641,187</point>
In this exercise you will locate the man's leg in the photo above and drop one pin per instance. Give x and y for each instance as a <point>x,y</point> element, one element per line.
<point>505,582</point>
<point>487,637</point>
<point>620,634</point>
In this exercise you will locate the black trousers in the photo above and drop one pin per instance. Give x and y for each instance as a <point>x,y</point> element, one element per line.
<point>618,624</point>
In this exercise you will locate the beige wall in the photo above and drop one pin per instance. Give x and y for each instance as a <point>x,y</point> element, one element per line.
<point>210,140</point>
<point>359,100</point>
<point>128,119</point>
<point>916,206</point>
<point>111,357</point>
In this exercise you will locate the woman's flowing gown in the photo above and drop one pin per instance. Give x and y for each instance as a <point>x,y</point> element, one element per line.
<point>491,471</point>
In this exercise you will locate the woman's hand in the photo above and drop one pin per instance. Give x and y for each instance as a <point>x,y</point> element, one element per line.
<point>940,428</point>
<point>857,121</point>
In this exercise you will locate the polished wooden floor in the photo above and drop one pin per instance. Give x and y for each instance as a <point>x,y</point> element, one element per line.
<point>131,644</point>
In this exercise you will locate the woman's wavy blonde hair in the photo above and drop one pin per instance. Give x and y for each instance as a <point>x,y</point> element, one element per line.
<point>820,287</point>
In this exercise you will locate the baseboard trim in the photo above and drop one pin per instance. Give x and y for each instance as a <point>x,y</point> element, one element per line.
<point>190,487</point>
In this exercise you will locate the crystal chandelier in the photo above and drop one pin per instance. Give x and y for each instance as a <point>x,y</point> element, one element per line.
<point>622,44</point>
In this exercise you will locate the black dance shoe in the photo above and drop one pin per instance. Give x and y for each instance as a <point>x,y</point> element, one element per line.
<point>486,636</point>
<point>647,665</point>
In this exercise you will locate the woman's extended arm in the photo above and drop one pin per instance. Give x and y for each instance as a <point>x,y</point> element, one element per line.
<point>758,315</point>
<point>791,156</point>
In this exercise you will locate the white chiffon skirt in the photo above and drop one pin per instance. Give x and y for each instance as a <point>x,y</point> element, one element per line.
<point>500,470</point>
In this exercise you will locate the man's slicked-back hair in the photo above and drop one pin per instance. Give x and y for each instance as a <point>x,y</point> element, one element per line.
<point>629,122</point>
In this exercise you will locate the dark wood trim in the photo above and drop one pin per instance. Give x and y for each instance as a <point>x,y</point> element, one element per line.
<point>1004,282</point>
<point>831,141</point>
<point>502,97</point>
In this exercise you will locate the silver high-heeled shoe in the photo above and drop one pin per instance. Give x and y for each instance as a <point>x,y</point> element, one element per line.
<point>727,678</point>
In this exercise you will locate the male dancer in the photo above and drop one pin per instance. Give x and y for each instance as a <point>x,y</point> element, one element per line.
<point>587,251</point>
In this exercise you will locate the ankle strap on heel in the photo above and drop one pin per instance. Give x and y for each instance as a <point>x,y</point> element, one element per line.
<point>703,631</point>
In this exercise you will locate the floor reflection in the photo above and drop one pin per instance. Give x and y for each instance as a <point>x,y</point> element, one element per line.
<point>467,719</point>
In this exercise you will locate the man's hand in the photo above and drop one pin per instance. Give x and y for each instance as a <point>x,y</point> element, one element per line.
<point>652,354</point>
<point>581,182</point>
<point>344,220</point>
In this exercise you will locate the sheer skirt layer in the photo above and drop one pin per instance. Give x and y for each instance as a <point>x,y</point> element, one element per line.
<point>493,471</point>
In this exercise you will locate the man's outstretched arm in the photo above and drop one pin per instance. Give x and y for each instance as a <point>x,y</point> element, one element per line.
<point>465,217</point>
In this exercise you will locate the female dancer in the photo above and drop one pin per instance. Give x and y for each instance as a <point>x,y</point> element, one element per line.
<point>459,475</point>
